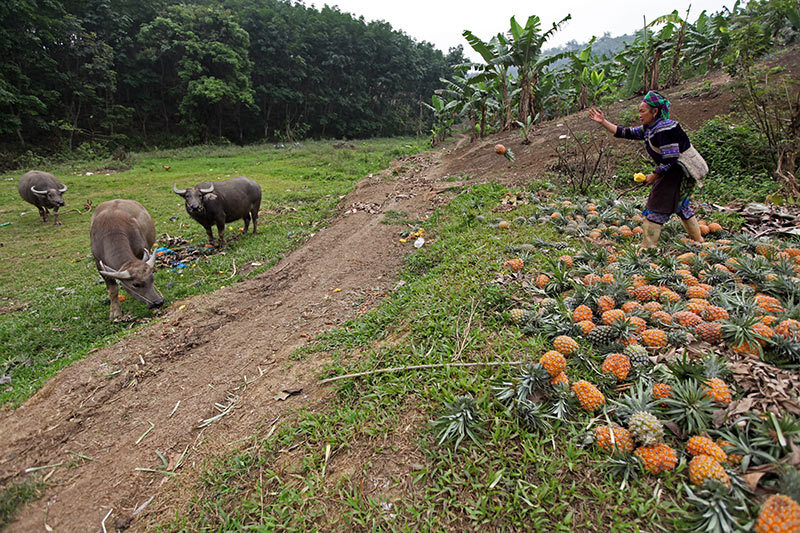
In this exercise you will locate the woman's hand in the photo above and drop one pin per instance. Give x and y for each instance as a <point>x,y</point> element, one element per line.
<point>651,178</point>
<point>597,115</point>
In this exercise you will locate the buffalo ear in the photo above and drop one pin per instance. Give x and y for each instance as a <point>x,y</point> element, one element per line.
<point>209,196</point>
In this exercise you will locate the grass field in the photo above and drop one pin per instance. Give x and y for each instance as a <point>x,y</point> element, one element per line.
<point>513,479</point>
<point>53,304</point>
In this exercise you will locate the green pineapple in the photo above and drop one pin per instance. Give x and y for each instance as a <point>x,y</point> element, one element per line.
<point>638,355</point>
<point>602,335</point>
<point>647,429</point>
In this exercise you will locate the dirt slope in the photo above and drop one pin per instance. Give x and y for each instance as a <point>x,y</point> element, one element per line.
<point>232,347</point>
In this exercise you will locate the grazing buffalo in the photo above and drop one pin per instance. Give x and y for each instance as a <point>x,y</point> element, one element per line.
<point>122,233</point>
<point>221,202</point>
<point>44,191</point>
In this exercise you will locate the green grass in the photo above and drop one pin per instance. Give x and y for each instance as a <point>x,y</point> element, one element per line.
<point>15,495</point>
<point>514,479</point>
<point>47,272</point>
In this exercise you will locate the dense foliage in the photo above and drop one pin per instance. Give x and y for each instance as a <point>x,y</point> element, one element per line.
<point>517,73</point>
<point>159,72</point>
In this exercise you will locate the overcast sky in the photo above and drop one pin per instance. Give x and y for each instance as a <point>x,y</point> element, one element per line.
<point>442,22</point>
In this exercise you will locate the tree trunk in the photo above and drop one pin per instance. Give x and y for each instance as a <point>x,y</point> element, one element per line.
<point>483,121</point>
<point>584,98</point>
<point>673,73</point>
<point>506,104</point>
<point>524,98</point>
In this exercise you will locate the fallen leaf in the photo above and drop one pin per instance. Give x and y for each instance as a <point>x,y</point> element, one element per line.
<point>285,393</point>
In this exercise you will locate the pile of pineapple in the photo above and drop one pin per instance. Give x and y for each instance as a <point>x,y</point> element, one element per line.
<point>618,316</point>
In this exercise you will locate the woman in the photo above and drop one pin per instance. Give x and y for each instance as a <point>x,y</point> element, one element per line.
<point>664,140</point>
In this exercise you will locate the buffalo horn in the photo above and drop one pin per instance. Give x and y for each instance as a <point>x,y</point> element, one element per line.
<point>149,259</point>
<point>116,274</point>
<point>63,189</point>
<point>33,189</point>
<point>176,190</point>
<point>206,191</point>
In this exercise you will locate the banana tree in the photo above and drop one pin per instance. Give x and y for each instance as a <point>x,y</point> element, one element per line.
<point>495,53</point>
<point>444,115</point>
<point>673,20</point>
<point>706,39</point>
<point>525,47</point>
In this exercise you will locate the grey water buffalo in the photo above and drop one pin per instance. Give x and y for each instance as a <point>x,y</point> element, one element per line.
<point>43,190</point>
<point>220,202</point>
<point>122,233</point>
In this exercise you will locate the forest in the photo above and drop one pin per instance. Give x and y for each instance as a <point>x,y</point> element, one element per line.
<point>104,75</point>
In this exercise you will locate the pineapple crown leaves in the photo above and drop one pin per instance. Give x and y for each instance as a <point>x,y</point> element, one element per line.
<point>533,380</point>
<point>533,415</point>
<point>778,434</point>
<point>788,482</point>
<point>627,467</point>
<point>638,398</point>
<point>753,269</point>
<point>716,510</point>
<point>737,331</point>
<point>460,420</point>
<point>783,351</point>
<point>715,366</point>
<point>689,407</point>
<point>742,440</point>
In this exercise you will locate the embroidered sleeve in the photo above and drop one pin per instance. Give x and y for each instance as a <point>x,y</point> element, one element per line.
<point>669,155</point>
<point>636,132</point>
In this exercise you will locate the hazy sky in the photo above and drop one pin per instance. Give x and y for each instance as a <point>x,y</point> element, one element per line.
<point>442,22</point>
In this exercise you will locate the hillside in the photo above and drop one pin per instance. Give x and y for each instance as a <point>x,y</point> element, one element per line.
<point>213,418</point>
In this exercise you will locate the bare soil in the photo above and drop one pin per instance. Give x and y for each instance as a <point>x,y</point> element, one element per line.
<point>104,417</point>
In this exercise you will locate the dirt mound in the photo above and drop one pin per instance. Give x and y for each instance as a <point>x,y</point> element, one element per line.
<point>116,426</point>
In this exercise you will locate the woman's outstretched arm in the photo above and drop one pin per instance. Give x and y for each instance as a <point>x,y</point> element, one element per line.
<point>599,117</point>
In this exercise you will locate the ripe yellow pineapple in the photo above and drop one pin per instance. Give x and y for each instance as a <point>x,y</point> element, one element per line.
<point>588,395</point>
<point>713,313</point>
<point>779,514</point>
<point>686,318</point>
<point>617,364</point>
<point>554,362</point>
<point>581,314</point>
<point>657,459</point>
<point>514,265</point>
<point>564,344</point>
<point>630,305</point>
<point>703,467</point>
<point>718,390</point>
<point>638,323</point>
<point>586,326</point>
<point>660,317</point>
<point>696,305</point>
<point>697,291</point>
<point>769,304</point>
<point>654,338</point>
<point>542,280</point>
<point>700,445</point>
<point>623,441</point>
<point>567,260</point>
<point>710,332</point>
<point>612,316</point>
<point>645,293</point>
<point>788,328</point>
<point>606,303</point>
<point>661,391</point>
<point>652,307</point>
<point>560,379</point>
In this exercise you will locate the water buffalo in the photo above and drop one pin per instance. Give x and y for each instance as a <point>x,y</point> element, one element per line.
<point>122,233</point>
<point>44,191</point>
<point>221,202</point>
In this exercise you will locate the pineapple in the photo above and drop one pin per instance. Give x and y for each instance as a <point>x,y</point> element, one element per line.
<point>699,445</point>
<point>718,390</point>
<point>657,459</point>
<point>514,265</point>
<point>713,313</point>
<point>554,362</point>
<point>654,338</point>
<point>564,344</point>
<point>779,514</point>
<point>738,334</point>
<point>638,323</point>
<point>630,305</point>
<point>542,280</point>
<point>652,307</point>
<point>517,315</point>
<point>612,316</point>
<point>588,395</point>
<point>704,467</point>
<point>662,390</point>
<point>606,303</point>
<point>586,326</point>
<point>697,292</point>
<point>646,293</point>
<point>638,355</point>
<point>696,306</point>
<point>560,379</point>
<point>660,318</point>
<point>710,332</point>
<point>686,319</point>
<point>617,364</point>
<point>677,337</point>
<point>602,335</point>
<point>788,328</point>
<point>582,313</point>
<point>647,429</point>
<point>769,304</point>
<point>689,407</point>
<point>622,439</point>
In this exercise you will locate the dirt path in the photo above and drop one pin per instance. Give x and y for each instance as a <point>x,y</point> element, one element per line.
<point>231,347</point>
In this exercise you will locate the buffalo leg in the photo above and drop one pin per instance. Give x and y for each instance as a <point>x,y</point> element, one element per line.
<point>255,220</point>
<point>113,295</point>
<point>210,236</point>
<point>55,215</point>
<point>43,213</point>
<point>221,231</point>
<point>246,222</point>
